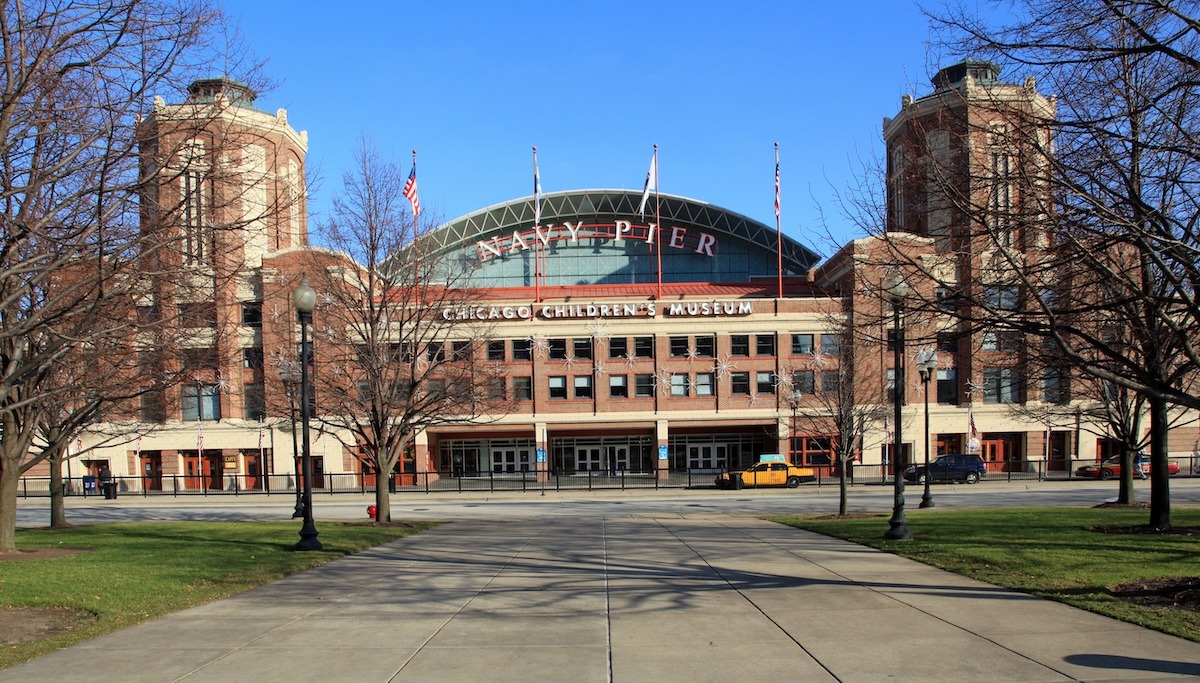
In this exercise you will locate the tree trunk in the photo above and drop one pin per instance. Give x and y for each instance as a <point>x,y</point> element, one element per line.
<point>842,502</point>
<point>1125,493</point>
<point>10,479</point>
<point>58,508</point>
<point>383,502</point>
<point>1160,487</point>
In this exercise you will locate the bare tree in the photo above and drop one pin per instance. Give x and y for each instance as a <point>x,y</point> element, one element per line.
<point>392,362</point>
<point>843,397</point>
<point>78,78</point>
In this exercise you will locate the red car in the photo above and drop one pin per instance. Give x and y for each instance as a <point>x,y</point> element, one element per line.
<point>1112,468</point>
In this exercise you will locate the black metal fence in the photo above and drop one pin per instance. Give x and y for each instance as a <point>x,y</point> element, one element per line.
<point>489,482</point>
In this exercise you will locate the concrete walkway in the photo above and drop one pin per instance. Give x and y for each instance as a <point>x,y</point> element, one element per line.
<point>624,599</point>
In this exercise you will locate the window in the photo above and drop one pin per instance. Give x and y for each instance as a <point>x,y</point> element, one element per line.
<point>739,383</point>
<point>1005,340</point>
<point>152,405</point>
<point>764,345</point>
<point>436,389</point>
<point>557,349</point>
<point>306,353</point>
<point>765,382</point>
<point>254,401</point>
<point>831,344</point>
<point>522,349</point>
<point>435,352</point>
<point>618,386</point>
<point>252,359</point>
<point>461,350</point>
<point>201,314</point>
<point>705,384</point>
<point>831,380</point>
<point>401,352</point>
<point>198,231</point>
<point>618,347</point>
<point>1000,297</point>
<point>147,314</point>
<point>496,350</point>
<point>363,391</point>
<point>1052,389</point>
<point>739,345</point>
<point>947,342</point>
<point>200,402</point>
<point>889,383</point>
<point>583,348</point>
<point>802,381</point>
<point>643,347</point>
<point>523,388</point>
<point>643,386</point>
<point>947,300</point>
<point>891,340</point>
<point>679,385</point>
<point>1001,385</point>
<point>679,347</point>
<point>252,313</point>
<point>496,389</point>
<point>802,344</point>
<point>583,386</point>
<point>947,386</point>
<point>199,359</point>
<point>558,386</point>
<point>706,347</point>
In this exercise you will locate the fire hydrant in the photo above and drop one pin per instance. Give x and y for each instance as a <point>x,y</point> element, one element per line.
<point>371,511</point>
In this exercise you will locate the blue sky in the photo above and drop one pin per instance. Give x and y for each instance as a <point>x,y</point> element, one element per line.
<point>472,86</point>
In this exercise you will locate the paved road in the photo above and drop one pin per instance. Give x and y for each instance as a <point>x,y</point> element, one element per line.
<point>653,597</point>
<point>518,505</point>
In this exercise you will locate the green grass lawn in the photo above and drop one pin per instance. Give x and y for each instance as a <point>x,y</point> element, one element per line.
<point>1054,553</point>
<point>135,572</point>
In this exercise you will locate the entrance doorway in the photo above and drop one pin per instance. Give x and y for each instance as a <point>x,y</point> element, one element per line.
<point>589,459</point>
<point>506,460</point>
<point>708,456</point>
<point>151,467</point>
<point>618,459</point>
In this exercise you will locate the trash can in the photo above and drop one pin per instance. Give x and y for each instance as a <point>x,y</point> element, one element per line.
<point>735,481</point>
<point>109,489</point>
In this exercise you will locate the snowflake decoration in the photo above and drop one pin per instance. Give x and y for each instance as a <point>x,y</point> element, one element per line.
<point>630,360</point>
<point>692,354</point>
<point>599,367</point>
<point>783,382</point>
<point>329,332</point>
<point>570,361</point>
<point>724,367</point>
<point>421,364</point>
<point>539,344</point>
<point>326,299</point>
<point>222,383</point>
<point>971,389</point>
<point>662,379</point>
<point>818,359</point>
<point>336,371</point>
<point>753,399</point>
<point>276,312</point>
<point>598,329</point>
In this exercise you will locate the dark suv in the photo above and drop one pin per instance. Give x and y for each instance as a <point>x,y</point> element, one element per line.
<point>956,467</point>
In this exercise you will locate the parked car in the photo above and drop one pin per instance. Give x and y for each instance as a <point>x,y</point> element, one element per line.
<point>1111,467</point>
<point>766,474</point>
<point>951,467</point>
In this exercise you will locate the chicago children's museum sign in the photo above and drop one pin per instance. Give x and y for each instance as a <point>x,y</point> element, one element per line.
<point>640,309</point>
<point>521,240</point>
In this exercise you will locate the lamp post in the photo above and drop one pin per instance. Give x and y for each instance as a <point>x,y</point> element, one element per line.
<point>927,365</point>
<point>897,289</point>
<point>289,374</point>
<point>793,401</point>
<point>305,300</point>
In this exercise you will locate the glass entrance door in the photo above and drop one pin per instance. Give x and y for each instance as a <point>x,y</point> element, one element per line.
<point>618,459</point>
<point>708,456</point>
<point>510,460</point>
<point>589,459</point>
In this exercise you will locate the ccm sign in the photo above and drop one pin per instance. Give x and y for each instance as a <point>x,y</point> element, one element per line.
<point>695,309</point>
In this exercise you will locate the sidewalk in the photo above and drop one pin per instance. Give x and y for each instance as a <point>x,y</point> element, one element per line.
<point>624,599</point>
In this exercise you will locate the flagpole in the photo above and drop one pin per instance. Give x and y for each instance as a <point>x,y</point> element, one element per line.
<point>657,223</point>
<point>778,229</point>
<point>537,219</point>
<point>410,192</point>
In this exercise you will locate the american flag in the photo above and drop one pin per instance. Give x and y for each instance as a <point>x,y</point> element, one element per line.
<point>410,190</point>
<point>972,433</point>
<point>776,181</point>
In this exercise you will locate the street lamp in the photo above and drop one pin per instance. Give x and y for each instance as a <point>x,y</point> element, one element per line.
<point>289,374</point>
<point>793,400</point>
<point>926,365</point>
<point>305,300</point>
<point>897,289</point>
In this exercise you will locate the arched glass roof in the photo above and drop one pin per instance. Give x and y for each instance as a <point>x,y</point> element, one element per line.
<point>597,237</point>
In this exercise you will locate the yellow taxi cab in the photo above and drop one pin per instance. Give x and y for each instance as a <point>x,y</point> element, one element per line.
<point>767,474</point>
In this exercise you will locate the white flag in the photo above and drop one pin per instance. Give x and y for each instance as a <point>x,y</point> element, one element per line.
<point>651,182</point>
